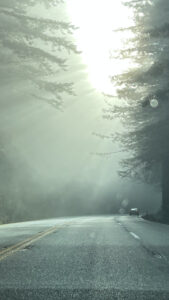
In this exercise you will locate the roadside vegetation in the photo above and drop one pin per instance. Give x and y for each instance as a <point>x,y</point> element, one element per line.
<point>34,49</point>
<point>144,100</point>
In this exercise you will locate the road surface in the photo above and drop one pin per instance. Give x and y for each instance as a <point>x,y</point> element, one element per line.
<point>103,257</point>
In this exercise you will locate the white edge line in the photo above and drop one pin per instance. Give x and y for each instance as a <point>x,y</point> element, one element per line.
<point>135,235</point>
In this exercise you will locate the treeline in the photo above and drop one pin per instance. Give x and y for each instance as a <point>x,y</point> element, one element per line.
<point>144,97</point>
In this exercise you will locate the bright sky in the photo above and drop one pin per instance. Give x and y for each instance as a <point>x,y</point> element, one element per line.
<point>96,38</point>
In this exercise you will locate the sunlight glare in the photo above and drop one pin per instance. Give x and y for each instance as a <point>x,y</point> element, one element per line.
<point>98,39</point>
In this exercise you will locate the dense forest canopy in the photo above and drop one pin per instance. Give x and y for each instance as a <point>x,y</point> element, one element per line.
<point>143,95</point>
<point>34,48</point>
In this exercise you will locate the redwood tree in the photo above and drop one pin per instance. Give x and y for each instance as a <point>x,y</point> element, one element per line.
<point>143,94</point>
<point>34,48</point>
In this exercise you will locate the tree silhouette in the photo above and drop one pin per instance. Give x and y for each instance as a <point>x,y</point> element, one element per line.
<point>144,93</point>
<point>33,52</point>
<point>34,48</point>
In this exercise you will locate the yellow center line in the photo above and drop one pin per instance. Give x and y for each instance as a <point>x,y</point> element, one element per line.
<point>19,246</point>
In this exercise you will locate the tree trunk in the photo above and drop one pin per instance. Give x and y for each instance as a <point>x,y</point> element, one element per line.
<point>165,189</point>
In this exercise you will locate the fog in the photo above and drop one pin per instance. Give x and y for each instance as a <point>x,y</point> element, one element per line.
<point>49,162</point>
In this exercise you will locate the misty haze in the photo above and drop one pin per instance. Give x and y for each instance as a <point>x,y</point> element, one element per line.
<point>84,149</point>
<point>50,134</point>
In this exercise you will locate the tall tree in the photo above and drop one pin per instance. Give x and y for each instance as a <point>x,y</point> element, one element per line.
<point>144,97</point>
<point>34,48</point>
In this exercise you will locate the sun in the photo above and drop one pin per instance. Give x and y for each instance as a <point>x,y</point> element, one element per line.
<point>98,38</point>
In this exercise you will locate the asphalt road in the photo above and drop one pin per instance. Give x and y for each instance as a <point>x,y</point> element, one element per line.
<point>104,257</point>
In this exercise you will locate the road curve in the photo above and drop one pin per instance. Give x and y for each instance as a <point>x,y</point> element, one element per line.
<point>103,257</point>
